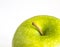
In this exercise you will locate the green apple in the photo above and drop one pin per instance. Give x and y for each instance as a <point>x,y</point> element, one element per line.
<point>38,31</point>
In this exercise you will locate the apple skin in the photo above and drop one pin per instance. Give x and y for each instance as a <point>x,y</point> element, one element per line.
<point>28,36</point>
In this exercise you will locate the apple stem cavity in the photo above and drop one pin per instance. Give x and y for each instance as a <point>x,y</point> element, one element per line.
<point>38,28</point>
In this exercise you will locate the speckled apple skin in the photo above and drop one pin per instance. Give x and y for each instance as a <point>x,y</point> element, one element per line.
<point>28,36</point>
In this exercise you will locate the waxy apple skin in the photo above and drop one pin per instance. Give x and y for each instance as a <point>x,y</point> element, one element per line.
<point>27,34</point>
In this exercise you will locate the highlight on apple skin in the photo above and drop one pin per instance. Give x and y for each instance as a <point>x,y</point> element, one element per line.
<point>38,31</point>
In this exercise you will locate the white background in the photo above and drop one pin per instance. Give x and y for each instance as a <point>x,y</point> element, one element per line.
<point>14,12</point>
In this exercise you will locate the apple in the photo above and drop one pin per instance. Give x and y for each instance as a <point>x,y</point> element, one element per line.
<point>38,31</point>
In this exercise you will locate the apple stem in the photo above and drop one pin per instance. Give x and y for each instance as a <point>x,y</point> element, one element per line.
<point>38,28</point>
